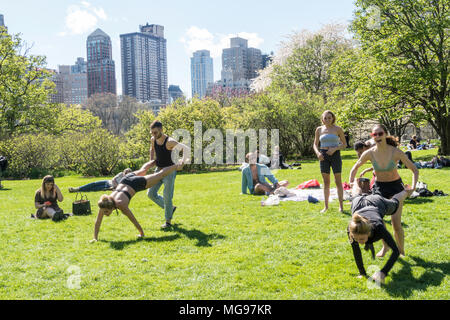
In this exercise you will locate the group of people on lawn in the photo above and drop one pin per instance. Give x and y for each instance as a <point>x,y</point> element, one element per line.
<point>368,206</point>
<point>371,201</point>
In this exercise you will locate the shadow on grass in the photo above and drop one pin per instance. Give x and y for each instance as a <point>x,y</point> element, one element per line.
<point>403,282</point>
<point>418,200</point>
<point>201,237</point>
<point>5,189</point>
<point>119,245</point>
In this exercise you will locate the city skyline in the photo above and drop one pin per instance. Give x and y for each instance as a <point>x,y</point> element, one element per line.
<point>63,27</point>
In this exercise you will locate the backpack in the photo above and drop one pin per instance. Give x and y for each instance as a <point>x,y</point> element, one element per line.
<point>423,192</point>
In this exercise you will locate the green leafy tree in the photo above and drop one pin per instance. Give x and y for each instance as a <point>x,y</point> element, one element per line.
<point>97,152</point>
<point>139,136</point>
<point>304,60</point>
<point>294,113</point>
<point>409,41</point>
<point>24,88</point>
<point>30,155</point>
<point>75,119</point>
<point>358,98</point>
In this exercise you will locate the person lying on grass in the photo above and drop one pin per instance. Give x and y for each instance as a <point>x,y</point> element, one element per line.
<point>102,185</point>
<point>367,226</point>
<point>120,199</point>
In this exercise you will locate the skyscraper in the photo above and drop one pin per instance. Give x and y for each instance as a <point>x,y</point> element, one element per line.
<point>2,21</point>
<point>201,72</point>
<point>144,64</point>
<point>239,64</point>
<point>74,82</point>
<point>175,93</point>
<point>80,66</point>
<point>101,72</point>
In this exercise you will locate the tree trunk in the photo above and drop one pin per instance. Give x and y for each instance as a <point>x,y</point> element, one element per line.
<point>442,127</point>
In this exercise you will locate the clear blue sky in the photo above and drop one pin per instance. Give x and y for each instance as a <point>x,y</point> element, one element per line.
<point>58,29</point>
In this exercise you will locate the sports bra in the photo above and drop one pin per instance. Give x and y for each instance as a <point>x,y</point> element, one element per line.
<point>329,140</point>
<point>390,166</point>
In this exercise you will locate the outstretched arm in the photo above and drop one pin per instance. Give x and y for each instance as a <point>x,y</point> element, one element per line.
<point>365,171</point>
<point>177,146</point>
<point>98,223</point>
<point>408,163</point>
<point>359,163</point>
<point>358,258</point>
<point>143,170</point>
<point>126,211</point>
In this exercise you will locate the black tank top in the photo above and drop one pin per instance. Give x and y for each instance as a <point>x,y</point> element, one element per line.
<point>163,156</point>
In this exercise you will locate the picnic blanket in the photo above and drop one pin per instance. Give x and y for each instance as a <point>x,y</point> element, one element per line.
<point>302,194</point>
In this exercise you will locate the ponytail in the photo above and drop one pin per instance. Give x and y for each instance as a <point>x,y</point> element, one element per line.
<point>359,224</point>
<point>106,202</point>
<point>393,141</point>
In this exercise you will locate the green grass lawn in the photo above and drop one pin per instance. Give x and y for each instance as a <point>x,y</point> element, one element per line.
<point>224,245</point>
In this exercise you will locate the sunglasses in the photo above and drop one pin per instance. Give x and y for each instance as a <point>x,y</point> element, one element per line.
<point>377,134</point>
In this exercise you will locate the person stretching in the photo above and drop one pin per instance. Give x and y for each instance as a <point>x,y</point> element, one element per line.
<point>120,198</point>
<point>367,226</point>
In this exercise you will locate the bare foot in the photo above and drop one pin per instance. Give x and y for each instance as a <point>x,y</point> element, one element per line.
<point>382,252</point>
<point>323,210</point>
<point>341,210</point>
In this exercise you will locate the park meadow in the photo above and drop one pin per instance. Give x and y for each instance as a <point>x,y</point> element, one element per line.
<point>223,245</point>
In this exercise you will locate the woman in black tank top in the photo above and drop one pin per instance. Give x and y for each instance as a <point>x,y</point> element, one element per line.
<point>127,188</point>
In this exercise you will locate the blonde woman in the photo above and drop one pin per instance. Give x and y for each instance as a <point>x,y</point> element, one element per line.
<point>129,185</point>
<point>367,226</point>
<point>332,140</point>
<point>46,200</point>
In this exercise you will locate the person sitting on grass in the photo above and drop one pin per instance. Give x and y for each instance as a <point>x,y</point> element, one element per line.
<point>102,185</point>
<point>254,178</point>
<point>46,200</point>
<point>120,198</point>
<point>367,226</point>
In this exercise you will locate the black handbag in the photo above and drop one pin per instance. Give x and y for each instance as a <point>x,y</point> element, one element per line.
<point>81,207</point>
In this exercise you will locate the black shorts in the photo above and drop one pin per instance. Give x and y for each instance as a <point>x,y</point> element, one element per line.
<point>334,161</point>
<point>138,183</point>
<point>388,189</point>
